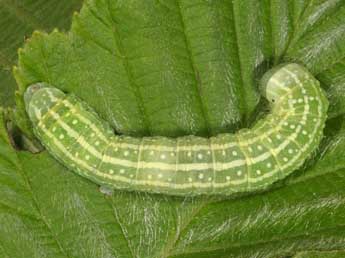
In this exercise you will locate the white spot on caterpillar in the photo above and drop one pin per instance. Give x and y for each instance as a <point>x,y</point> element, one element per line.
<point>223,153</point>
<point>74,122</point>
<point>189,154</point>
<point>210,179</point>
<point>290,151</point>
<point>269,165</point>
<point>239,172</point>
<point>126,153</point>
<point>208,152</point>
<point>200,156</point>
<point>87,157</point>
<point>97,143</point>
<point>285,159</point>
<point>250,149</point>
<point>172,154</point>
<point>279,136</point>
<point>234,153</point>
<point>61,136</point>
<point>149,176</point>
<point>54,129</point>
<point>259,147</point>
<point>300,100</point>
<point>228,178</point>
<point>169,179</point>
<point>152,152</point>
<point>160,175</point>
<point>258,172</point>
<point>111,171</point>
<point>163,156</point>
<point>68,114</point>
<point>190,179</point>
<point>122,171</point>
<point>292,126</point>
<point>201,176</point>
<point>92,134</point>
<point>304,132</point>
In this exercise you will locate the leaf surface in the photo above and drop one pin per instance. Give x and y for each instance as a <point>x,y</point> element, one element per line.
<point>175,68</point>
<point>17,21</point>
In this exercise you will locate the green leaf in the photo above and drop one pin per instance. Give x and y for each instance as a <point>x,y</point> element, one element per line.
<point>174,68</point>
<point>333,254</point>
<point>17,21</point>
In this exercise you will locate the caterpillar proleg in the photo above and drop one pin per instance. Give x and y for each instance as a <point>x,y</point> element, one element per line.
<point>249,160</point>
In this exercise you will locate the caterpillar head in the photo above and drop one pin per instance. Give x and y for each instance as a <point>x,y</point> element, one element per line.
<point>278,81</point>
<point>39,98</point>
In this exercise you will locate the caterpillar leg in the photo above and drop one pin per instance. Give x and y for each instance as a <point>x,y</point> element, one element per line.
<point>104,189</point>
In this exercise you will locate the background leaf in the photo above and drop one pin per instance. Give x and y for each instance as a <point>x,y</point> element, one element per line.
<point>175,68</point>
<point>333,254</point>
<point>18,18</point>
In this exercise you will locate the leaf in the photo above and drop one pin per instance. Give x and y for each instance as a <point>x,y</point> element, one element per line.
<point>175,68</point>
<point>333,254</point>
<point>17,21</point>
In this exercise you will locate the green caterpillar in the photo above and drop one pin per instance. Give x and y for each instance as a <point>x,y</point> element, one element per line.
<point>249,160</point>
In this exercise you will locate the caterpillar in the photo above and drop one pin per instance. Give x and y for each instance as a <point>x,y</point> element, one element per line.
<point>249,160</point>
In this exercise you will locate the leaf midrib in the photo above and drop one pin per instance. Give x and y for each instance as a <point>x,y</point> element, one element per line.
<point>197,82</point>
